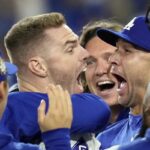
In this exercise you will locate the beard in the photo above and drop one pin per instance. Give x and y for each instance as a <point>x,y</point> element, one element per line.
<point>64,80</point>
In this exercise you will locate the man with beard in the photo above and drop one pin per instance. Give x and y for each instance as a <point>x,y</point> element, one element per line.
<point>130,65</point>
<point>97,78</point>
<point>47,51</point>
<point>54,129</point>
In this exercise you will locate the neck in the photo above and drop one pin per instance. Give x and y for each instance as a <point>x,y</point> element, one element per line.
<point>136,110</point>
<point>28,86</point>
<point>115,111</point>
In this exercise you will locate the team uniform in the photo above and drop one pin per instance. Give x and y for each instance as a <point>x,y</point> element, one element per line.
<point>56,139</point>
<point>124,113</point>
<point>143,143</point>
<point>90,114</point>
<point>137,33</point>
<point>120,132</point>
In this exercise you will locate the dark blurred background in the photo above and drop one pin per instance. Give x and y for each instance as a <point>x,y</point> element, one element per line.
<point>77,12</point>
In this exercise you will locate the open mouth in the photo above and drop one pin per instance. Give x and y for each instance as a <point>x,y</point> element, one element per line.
<point>105,85</point>
<point>121,80</point>
<point>81,77</point>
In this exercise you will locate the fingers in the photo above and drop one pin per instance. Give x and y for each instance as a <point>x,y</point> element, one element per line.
<point>52,98</point>
<point>41,111</point>
<point>59,114</point>
<point>69,108</point>
<point>62,102</point>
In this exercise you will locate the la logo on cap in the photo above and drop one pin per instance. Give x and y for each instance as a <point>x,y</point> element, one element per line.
<point>130,24</point>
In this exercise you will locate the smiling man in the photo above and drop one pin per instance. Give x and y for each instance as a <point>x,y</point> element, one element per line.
<point>97,78</point>
<point>130,66</point>
<point>47,51</point>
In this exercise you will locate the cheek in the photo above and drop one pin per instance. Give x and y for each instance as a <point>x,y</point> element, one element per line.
<point>130,69</point>
<point>89,75</point>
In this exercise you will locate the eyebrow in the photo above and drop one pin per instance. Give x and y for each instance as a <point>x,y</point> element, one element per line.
<point>71,42</point>
<point>91,58</point>
<point>108,53</point>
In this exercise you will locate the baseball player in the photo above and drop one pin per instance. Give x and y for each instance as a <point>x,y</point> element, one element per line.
<point>130,66</point>
<point>47,51</point>
<point>55,131</point>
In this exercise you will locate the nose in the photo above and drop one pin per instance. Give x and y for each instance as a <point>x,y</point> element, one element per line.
<point>114,59</point>
<point>102,67</point>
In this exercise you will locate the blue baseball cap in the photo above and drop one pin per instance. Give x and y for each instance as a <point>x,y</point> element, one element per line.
<point>6,68</point>
<point>136,32</point>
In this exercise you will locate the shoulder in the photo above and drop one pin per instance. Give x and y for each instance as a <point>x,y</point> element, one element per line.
<point>90,100</point>
<point>113,129</point>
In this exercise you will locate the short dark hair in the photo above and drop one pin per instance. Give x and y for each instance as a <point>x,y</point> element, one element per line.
<point>29,32</point>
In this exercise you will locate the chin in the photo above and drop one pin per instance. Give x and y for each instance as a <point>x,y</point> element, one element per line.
<point>78,91</point>
<point>123,102</point>
<point>110,102</point>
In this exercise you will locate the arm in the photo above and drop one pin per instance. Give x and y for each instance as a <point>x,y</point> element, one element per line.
<point>55,124</point>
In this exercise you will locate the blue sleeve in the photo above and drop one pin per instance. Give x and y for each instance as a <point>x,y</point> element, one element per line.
<point>19,146</point>
<point>90,113</point>
<point>58,139</point>
<point>7,142</point>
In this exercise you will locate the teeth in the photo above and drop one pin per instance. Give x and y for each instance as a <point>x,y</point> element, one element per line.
<point>122,84</point>
<point>84,69</point>
<point>118,90</point>
<point>104,82</point>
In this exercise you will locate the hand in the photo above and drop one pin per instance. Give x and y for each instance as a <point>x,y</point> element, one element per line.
<point>59,114</point>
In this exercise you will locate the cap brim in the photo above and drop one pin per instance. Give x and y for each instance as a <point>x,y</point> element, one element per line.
<point>112,37</point>
<point>11,68</point>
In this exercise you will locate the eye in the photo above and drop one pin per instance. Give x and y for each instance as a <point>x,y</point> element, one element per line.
<point>127,50</point>
<point>90,61</point>
<point>70,49</point>
<point>116,50</point>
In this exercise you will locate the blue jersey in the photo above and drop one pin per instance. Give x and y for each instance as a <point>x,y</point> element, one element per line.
<point>90,113</point>
<point>139,144</point>
<point>124,113</point>
<point>53,140</point>
<point>120,132</point>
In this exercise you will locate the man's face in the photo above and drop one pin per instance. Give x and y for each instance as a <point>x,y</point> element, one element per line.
<point>65,58</point>
<point>98,78</point>
<point>130,66</point>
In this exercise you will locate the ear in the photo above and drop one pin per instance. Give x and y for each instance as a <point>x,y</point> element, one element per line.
<point>37,66</point>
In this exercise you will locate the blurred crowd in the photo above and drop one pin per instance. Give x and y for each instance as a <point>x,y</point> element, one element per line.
<point>77,12</point>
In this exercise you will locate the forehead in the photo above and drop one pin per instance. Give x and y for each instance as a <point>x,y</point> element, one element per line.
<point>126,44</point>
<point>135,51</point>
<point>122,42</point>
<point>96,45</point>
<point>61,34</point>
